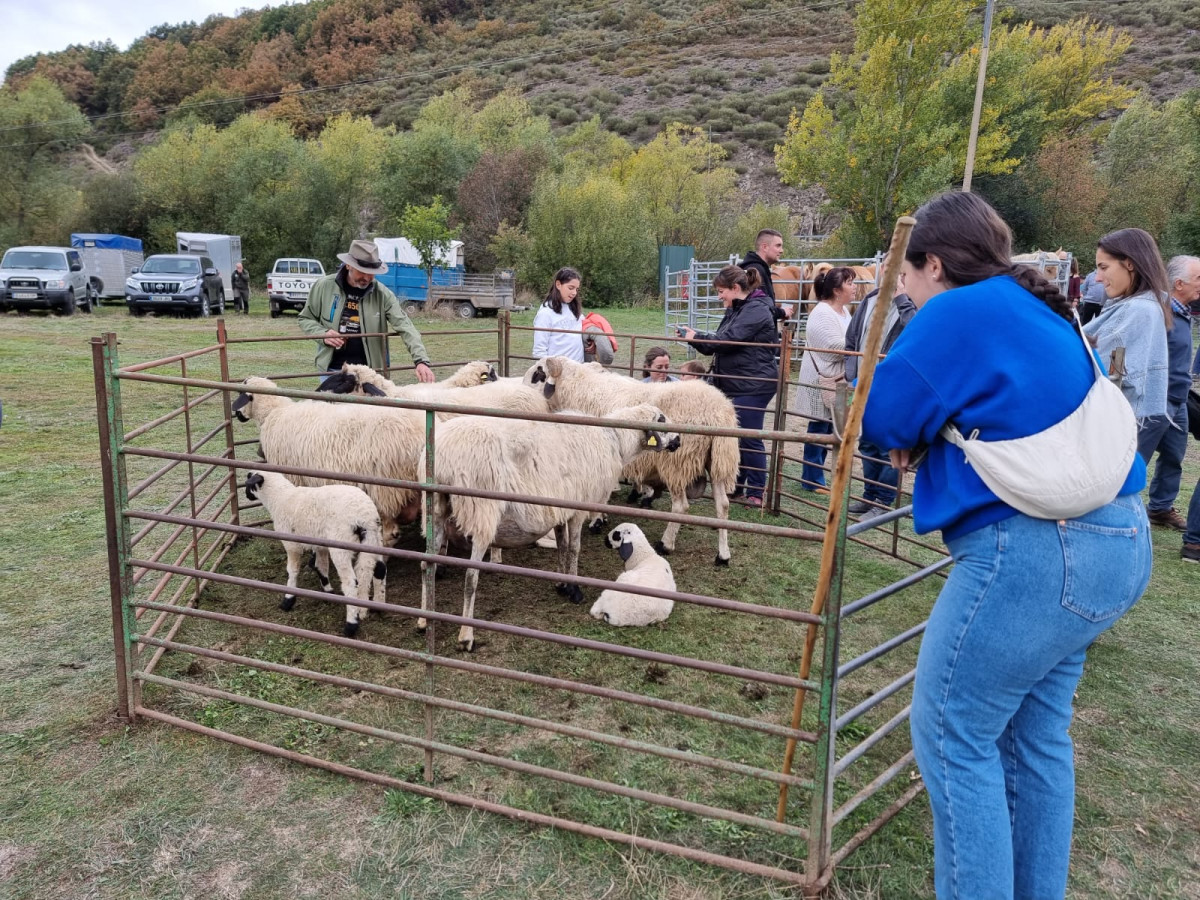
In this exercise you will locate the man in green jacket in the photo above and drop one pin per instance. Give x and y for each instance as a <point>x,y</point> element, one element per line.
<point>350,303</point>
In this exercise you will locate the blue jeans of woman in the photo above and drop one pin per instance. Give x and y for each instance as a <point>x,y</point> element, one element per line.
<point>1002,654</point>
<point>752,466</point>
<point>875,468</point>
<point>811,473</point>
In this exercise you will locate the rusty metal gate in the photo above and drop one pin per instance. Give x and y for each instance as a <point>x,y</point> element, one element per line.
<point>680,739</point>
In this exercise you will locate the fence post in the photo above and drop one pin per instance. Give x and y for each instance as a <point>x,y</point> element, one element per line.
<point>112,467</point>
<point>775,477</point>
<point>429,587</point>
<point>230,449</point>
<point>502,324</point>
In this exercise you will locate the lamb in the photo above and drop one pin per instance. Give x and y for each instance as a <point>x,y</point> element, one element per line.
<point>489,392</point>
<point>336,512</point>
<point>341,437</point>
<point>569,384</point>
<point>555,460</point>
<point>643,568</point>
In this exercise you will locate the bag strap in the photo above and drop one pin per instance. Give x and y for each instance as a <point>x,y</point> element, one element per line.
<point>950,431</point>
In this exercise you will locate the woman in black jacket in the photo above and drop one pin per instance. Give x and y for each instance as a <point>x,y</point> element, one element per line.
<point>747,374</point>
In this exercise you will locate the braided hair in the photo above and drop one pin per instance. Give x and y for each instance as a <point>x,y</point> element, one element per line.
<point>974,244</point>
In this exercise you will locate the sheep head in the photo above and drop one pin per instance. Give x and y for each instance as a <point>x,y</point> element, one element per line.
<point>622,539</point>
<point>348,382</point>
<point>254,481</point>
<point>243,406</point>
<point>654,438</point>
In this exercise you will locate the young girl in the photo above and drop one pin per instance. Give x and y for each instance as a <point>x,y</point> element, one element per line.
<point>561,310</point>
<point>994,348</point>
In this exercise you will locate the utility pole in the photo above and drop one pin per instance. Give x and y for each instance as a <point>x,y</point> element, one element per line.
<point>983,59</point>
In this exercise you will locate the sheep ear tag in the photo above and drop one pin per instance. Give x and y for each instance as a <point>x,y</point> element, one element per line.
<point>651,440</point>
<point>625,551</point>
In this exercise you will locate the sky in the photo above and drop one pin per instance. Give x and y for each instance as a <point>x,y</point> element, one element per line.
<point>33,26</point>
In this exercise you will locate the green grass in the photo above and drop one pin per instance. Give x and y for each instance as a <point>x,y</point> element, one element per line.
<point>94,808</point>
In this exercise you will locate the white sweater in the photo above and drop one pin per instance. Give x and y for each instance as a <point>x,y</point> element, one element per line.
<point>553,344</point>
<point>826,329</point>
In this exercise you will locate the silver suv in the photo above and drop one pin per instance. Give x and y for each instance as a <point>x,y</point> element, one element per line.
<point>45,278</point>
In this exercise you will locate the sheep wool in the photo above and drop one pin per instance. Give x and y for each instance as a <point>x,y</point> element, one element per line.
<point>554,460</point>
<point>476,389</point>
<point>333,512</point>
<point>643,568</point>
<point>591,389</point>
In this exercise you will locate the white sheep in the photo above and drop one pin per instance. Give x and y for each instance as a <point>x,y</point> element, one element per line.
<point>643,568</point>
<point>488,392</point>
<point>593,390</point>
<point>554,460</point>
<point>360,379</point>
<point>335,512</point>
<point>341,437</point>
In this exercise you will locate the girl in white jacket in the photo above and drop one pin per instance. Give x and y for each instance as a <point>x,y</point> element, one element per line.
<point>561,309</point>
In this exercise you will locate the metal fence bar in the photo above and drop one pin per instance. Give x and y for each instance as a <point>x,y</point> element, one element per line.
<point>876,698</point>
<point>895,587</point>
<point>880,780</point>
<point>880,650</point>
<point>872,739</point>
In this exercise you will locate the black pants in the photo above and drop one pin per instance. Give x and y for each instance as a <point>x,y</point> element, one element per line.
<point>1088,311</point>
<point>241,300</point>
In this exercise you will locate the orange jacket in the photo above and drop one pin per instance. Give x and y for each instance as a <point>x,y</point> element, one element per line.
<point>598,321</point>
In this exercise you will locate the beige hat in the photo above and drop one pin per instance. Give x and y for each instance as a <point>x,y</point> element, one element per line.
<point>364,256</point>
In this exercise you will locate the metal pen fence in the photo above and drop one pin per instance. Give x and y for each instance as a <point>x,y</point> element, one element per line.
<point>564,707</point>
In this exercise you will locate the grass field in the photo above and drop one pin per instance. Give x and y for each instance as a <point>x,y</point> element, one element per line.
<point>92,808</point>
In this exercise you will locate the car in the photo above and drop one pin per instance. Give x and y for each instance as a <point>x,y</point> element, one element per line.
<point>45,278</point>
<point>176,282</point>
<point>289,282</point>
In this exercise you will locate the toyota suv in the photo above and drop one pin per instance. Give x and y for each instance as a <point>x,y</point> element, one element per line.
<point>178,282</point>
<point>45,278</point>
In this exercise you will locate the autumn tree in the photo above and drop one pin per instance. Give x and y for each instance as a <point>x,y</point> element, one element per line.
<point>38,126</point>
<point>496,191</point>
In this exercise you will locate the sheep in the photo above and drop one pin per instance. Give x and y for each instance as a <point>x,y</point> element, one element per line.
<point>570,384</point>
<point>490,393</point>
<point>336,512</point>
<point>643,568</point>
<point>361,379</point>
<point>341,437</point>
<point>545,459</point>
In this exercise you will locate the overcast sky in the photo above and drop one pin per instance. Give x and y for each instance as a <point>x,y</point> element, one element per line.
<point>33,26</point>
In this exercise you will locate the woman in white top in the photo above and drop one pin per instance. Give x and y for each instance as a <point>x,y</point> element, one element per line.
<point>561,309</point>
<point>826,330</point>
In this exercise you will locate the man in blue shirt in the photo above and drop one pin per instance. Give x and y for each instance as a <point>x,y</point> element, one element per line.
<point>1091,298</point>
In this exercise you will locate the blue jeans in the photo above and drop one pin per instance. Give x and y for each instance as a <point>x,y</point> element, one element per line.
<point>1166,435</point>
<point>1192,535</point>
<point>876,468</point>
<point>814,456</point>
<point>1001,657</point>
<point>752,467</point>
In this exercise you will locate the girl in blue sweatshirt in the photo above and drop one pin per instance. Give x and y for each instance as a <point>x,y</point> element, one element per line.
<point>994,347</point>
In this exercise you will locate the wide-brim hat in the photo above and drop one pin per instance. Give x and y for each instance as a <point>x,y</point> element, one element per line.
<point>364,257</point>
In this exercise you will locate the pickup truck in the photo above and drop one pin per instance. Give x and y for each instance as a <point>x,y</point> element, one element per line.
<point>289,282</point>
<point>474,295</point>
<point>45,278</point>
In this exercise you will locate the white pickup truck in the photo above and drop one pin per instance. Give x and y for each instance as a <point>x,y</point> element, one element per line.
<point>289,282</point>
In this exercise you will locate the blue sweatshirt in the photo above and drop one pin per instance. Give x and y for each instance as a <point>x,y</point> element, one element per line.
<point>988,356</point>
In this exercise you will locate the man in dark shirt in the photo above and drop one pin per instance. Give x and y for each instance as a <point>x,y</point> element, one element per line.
<point>768,250</point>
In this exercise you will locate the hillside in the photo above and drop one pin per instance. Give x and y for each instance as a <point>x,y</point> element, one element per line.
<point>735,67</point>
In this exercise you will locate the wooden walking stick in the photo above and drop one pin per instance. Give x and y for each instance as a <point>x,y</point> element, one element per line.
<point>839,489</point>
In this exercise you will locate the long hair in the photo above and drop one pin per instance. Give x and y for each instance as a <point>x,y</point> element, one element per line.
<point>1138,248</point>
<point>974,244</point>
<point>554,299</point>
<point>737,277</point>
<point>825,284</point>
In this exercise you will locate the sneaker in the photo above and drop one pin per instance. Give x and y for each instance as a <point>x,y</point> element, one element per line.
<point>858,507</point>
<point>1190,553</point>
<point>872,513</point>
<point>754,502</point>
<point>1167,518</point>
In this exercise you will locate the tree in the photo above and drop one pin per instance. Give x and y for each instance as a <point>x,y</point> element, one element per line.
<point>428,230</point>
<point>496,191</point>
<point>38,127</point>
<point>685,190</point>
<point>594,223</point>
<point>898,127</point>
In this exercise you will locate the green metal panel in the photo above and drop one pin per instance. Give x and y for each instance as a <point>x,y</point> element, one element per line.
<point>672,257</point>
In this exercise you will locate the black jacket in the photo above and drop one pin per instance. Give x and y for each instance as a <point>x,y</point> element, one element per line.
<point>240,280</point>
<point>748,320</point>
<point>856,331</point>
<point>754,261</point>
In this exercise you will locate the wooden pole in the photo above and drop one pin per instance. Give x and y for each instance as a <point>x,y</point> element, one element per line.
<point>983,61</point>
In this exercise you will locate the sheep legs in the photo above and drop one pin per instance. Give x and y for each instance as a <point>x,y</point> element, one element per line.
<point>567,536</point>
<point>466,633</point>
<point>680,505</point>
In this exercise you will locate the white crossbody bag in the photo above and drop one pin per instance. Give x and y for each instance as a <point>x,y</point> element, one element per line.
<point>1071,468</point>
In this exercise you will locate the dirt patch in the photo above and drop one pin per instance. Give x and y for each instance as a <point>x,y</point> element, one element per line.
<point>12,857</point>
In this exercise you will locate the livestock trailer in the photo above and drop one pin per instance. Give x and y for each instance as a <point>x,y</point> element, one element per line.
<point>225,250</point>
<point>109,259</point>
<point>406,278</point>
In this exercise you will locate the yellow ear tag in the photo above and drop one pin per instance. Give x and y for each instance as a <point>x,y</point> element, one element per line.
<point>652,441</point>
